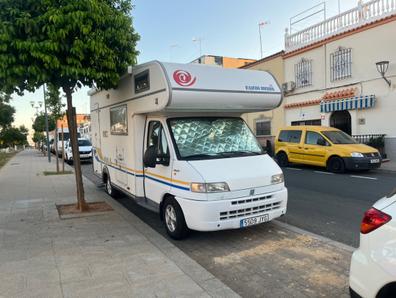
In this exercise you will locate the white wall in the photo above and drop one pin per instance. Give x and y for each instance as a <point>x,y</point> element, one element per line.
<point>368,47</point>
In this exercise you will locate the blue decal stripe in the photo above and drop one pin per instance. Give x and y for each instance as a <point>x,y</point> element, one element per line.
<point>166,183</point>
<point>141,175</point>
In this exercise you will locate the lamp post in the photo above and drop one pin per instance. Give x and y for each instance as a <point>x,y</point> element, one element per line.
<point>260,25</point>
<point>40,104</point>
<point>198,39</point>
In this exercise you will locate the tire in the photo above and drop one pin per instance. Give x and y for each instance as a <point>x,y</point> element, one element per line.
<point>336,165</point>
<point>110,190</point>
<point>174,221</point>
<point>282,159</point>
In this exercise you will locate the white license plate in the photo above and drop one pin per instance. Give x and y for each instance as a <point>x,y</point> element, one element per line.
<point>374,160</point>
<point>254,220</point>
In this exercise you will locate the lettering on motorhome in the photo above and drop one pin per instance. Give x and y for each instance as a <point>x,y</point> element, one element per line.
<point>259,88</point>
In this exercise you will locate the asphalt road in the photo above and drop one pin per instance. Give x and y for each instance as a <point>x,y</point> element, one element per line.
<point>331,205</point>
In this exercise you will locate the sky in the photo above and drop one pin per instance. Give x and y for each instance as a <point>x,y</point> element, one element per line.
<point>224,28</point>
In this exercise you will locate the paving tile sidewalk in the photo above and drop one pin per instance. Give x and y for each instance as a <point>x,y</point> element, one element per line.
<point>108,255</point>
<point>388,166</point>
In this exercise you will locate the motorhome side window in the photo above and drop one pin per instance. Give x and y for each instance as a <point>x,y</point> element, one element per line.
<point>157,138</point>
<point>118,120</point>
<point>142,82</point>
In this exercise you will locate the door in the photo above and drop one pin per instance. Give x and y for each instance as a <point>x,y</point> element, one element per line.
<point>96,139</point>
<point>315,148</point>
<point>157,180</point>
<point>342,121</point>
<point>292,141</point>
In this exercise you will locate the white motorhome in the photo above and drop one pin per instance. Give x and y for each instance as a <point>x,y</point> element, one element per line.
<point>171,137</point>
<point>57,138</point>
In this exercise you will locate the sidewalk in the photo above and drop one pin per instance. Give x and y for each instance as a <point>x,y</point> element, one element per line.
<point>388,166</point>
<point>108,255</point>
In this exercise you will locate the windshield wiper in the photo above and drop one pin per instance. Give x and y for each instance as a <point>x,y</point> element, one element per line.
<point>240,152</point>
<point>200,155</point>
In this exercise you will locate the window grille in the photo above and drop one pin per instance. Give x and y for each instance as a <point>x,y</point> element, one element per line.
<point>341,64</point>
<point>303,73</point>
<point>263,127</point>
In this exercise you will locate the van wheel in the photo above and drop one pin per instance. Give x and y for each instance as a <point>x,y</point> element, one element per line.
<point>110,190</point>
<point>174,221</point>
<point>336,165</point>
<point>282,159</point>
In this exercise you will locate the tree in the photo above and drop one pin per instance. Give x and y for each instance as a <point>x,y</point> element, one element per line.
<point>68,44</point>
<point>54,102</point>
<point>38,137</point>
<point>6,115</point>
<point>39,123</point>
<point>12,136</point>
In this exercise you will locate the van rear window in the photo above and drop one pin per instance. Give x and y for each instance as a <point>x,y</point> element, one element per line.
<point>290,136</point>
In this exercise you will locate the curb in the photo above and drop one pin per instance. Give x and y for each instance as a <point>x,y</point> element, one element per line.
<point>320,238</point>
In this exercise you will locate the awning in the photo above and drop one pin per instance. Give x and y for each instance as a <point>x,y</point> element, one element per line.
<point>354,103</point>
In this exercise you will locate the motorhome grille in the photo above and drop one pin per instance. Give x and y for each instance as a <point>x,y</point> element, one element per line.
<point>85,152</point>
<point>244,201</point>
<point>249,211</point>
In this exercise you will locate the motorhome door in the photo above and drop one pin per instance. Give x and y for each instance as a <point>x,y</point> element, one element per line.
<point>157,180</point>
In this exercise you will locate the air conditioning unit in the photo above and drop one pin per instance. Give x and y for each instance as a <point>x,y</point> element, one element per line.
<point>288,86</point>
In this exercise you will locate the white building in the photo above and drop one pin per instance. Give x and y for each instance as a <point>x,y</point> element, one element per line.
<point>332,76</point>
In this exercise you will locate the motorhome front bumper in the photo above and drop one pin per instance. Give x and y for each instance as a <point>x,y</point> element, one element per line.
<point>230,214</point>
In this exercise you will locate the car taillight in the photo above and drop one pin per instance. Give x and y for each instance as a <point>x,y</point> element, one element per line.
<point>373,219</point>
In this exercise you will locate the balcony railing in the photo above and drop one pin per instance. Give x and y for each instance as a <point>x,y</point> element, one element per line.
<point>362,14</point>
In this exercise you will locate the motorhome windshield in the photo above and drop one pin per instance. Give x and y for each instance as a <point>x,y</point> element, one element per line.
<point>212,137</point>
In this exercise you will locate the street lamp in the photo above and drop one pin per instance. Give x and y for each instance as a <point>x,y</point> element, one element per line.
<point>40,104</point>
<point>382,68</point>
<point>198,39</point>
<point>261,24</point>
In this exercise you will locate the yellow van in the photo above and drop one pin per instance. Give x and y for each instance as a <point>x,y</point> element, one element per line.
<point>324,146</point>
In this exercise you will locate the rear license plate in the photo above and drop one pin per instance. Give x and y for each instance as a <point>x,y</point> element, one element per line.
<point>374,160</point>
<point>254,220</point>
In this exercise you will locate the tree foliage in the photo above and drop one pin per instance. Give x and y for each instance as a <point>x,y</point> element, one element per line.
<point>66,43</point>
<point>6,115</point>
<point>39,123</point>
<point>12,136</point>
<point>4,97</point>
<point>54,101</point>
<point>38,137</point>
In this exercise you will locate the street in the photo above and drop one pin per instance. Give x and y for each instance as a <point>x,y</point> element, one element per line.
<point>331,205</point>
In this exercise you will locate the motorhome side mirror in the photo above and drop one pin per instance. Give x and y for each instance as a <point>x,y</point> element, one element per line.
<point>150,157</point>
<point>321,142</point>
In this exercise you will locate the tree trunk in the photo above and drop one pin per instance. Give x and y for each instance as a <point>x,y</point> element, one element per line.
<point>71,119</point>
<point>56,149</point>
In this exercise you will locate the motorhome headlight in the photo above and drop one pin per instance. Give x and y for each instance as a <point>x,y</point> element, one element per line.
<point>209,187</point>
<point>357,154</point>
<point>278,178</point>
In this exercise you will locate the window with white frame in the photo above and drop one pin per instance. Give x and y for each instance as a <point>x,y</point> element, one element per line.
<point>341,64</point>
<point>303,73</point>
<point>263,127</point>
<point>118,120</point>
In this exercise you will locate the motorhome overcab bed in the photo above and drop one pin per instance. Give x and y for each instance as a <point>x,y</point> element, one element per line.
<point>170,136</point>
